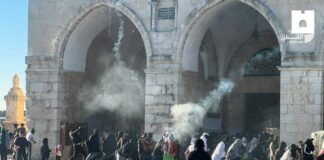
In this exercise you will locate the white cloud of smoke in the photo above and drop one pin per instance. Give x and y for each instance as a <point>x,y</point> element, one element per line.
<point>119,89</point>
<point>188,117</point>
<point>116,49</point>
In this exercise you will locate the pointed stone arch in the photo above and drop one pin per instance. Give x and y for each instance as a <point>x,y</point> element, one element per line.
<point>197,19</point>
<point>64,36</point>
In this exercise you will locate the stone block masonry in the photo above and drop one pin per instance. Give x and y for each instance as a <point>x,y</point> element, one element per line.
<point>301,99</point>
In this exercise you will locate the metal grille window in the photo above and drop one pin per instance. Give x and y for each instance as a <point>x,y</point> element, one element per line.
<point>264,63</point>
<point>166,13</point>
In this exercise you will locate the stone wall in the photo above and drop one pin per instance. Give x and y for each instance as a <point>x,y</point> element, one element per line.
<point>44,110</point>
<point>301,102</point>
<point>160,94</point>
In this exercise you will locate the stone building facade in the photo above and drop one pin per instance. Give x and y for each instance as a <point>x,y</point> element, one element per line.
<point>15,109</point>
<point>182,47</point>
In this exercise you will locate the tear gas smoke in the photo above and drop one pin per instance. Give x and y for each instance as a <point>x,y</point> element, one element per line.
<point>188,117</point>
<point>116,49</point>
<point>119,89</point>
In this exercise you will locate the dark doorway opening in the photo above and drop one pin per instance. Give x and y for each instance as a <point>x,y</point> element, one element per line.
<point>262,111</point>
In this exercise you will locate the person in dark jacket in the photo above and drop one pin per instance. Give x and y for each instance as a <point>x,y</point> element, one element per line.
<point>121,146</point>
<point>127,150</point>
<point>4,144</point>
<point>109,146</point>
<point>21,143</point>
<point>199,153</point>
<point>76,143</point>
<point>93,146</point>
<point>308,149</point>
<point>45,150</point>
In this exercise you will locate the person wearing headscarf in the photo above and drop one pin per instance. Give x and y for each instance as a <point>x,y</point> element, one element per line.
<point>291,153</point>
<point>280,151</point>
<point>244,142</point>
<point>234,151</point>
<point>205,137</point>
<point>300,149</point>
<point>244,148</point>
<point>170,148</point>
<point>308,149</point>
<point>219,152</point>
<point>190,148</point>
<point>58,152</point>
<point>199,153</point>
<point>273,147</point>
<point>258,151</point>
<point>252,145</point>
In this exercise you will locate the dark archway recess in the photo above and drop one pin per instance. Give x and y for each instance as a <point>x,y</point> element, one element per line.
<point>262,111</point>
<point>227,45</point>
<point>89,55</point>
<point>100,58</point>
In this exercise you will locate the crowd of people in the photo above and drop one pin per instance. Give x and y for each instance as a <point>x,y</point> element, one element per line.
<point>129,146</point>
<point>17,143</point>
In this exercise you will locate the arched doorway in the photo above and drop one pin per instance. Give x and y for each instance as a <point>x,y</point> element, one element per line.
<point>103,62</point>
<point>216,44</point>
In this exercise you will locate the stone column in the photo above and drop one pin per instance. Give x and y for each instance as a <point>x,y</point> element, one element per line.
<point>160,95</point>
<point>43,108</point>
<point>301,102</point>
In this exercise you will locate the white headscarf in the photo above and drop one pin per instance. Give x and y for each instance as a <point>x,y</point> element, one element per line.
<point>286,155</point>
<point>244,142</point>
<point>219,151</point>
<point>252,145</point>
<point>170,137</point>
<point>193,141</point>
<point>192,145</point>
<point>203,137</point>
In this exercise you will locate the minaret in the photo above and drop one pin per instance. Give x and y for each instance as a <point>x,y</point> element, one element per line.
<point>15,101</point>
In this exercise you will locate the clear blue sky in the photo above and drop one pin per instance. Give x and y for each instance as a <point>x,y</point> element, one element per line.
<point>13,44</point>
